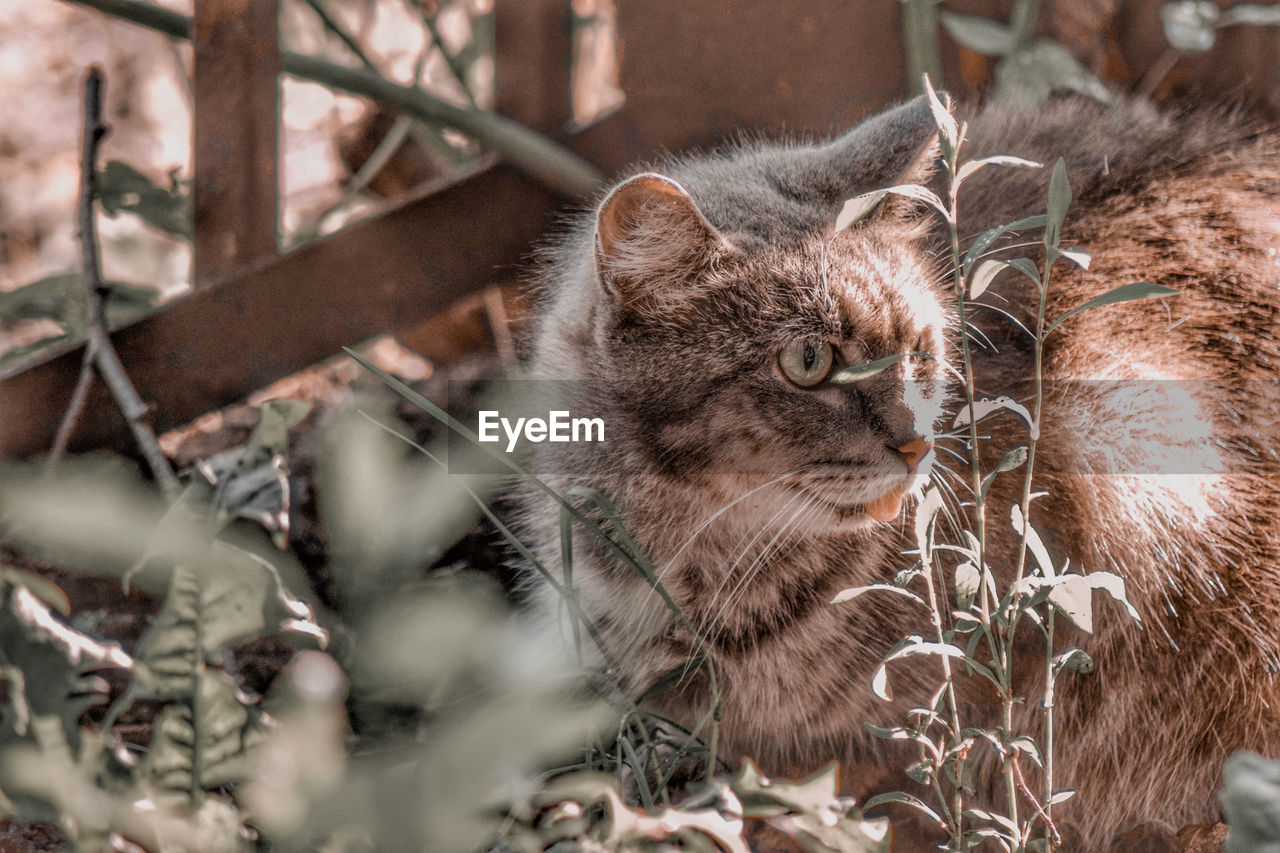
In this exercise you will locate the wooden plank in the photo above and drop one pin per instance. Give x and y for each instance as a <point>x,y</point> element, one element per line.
<point>237,66</point>
<point>212,348</point>
<point>694,73</point>
<point>533,50</point>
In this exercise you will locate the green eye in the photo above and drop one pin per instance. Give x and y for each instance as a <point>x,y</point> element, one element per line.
<point>806,362</point>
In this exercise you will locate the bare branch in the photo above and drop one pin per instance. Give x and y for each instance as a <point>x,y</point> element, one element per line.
<point>99,343</point>
<point>533,153</point>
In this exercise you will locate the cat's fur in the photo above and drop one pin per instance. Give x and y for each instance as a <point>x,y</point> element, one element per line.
<point>672,304</point>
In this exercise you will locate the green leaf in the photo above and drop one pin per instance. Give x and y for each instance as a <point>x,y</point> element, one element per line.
<point>1124,293</point>
<point>123,188</point>
<point>1189,25</point>
<point>913,647</point>
<point>895,733</point>
<point>854,592</point>
<point>1028,747</point>
<point>979,34</point>
<point>926,514</point>
<point>1059,201</point>
<point>1072,596</point>
<point>983,274</point>
<point>948,132</point>
<point>857,373</point>
<point>989,405</point>
<point>968,581</point>
<point>1113,585</point>
<point>193,751</point>
<point>1060,796</point>
<point>906,799</point>
<point>1079,257</point>
<point>1013,459</point>
<point>252,482</point>
<point>924,194</point>
<point>1034,543</point>
<point>968,168</point>
<point>1072,659</point>
<point>857,208</point>
<point>1034,72</point>
<point>52,657</point>
<point>1249,13</point>
<point>984,240</point>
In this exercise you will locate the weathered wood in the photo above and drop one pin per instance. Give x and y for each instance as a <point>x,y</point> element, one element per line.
<point>533,50</point>
<point>216,346</point>
<point>237,66</point>
<point>694,74</point>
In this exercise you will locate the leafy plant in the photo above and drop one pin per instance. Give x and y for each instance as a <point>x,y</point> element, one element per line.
<point>218,594</point>
<point>1191,26</point>
<point>979,633</point>
<point>1026,67</point>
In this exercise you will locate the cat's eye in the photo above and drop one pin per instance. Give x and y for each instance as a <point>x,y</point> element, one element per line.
<point>806,362</point>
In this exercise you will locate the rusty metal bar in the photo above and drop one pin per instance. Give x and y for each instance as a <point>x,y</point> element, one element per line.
<point>237,68</point>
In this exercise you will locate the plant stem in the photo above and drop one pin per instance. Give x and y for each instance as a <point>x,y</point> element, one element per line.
<point>920,43</point>
<point>98,341</point>
<point>1047,746</point>
<point>956,817</point>
<point>529,151</point>
<point>1022,21</point>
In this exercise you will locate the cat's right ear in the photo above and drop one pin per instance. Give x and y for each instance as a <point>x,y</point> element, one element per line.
<point>652,242</point>
<point>897,146</point>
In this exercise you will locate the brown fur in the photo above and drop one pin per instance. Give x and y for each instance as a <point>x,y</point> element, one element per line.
<point>672,318</point>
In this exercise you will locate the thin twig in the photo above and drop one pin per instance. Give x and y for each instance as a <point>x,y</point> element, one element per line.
<point>75,407</point>
<point>1159,70</point>
<point>1035,804</point>
<point>531,152</point>
<point>98,345</point>
<point>345,37</point>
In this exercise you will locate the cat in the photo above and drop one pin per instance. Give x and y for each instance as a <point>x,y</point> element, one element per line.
<point>701,309</point>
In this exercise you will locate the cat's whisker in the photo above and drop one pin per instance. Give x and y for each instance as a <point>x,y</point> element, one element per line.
<point>717,623</point>
<point>721,511</point>
<point>803,500</point>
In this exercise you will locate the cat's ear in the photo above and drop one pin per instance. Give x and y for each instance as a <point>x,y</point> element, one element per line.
<point>652,241</point>
<point>897,146</point>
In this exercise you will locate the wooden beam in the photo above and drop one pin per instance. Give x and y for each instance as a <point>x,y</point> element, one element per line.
<point>237,69</point>
<point>214,347</point>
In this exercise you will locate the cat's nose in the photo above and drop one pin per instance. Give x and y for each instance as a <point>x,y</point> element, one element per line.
<point>913,451</point>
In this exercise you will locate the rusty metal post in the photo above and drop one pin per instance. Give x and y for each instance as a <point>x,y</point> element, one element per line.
<point>533,61</point>
<point>237,68</point>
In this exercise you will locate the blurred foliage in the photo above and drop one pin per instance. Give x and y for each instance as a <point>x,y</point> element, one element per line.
<point>122,188</point>
<point>1191,26</point>
<point>1251,803</point>
<point>429,725</point>
<point>61,298</point>
<point>1026,68</point>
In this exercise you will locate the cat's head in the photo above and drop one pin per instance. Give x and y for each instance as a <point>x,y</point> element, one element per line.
<point>726,304</point>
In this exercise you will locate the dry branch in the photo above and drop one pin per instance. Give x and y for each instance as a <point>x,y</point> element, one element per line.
<point>529,151</point>
<point>98,348</point>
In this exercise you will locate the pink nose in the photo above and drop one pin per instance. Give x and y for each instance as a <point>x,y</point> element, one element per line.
<point>913,451</point>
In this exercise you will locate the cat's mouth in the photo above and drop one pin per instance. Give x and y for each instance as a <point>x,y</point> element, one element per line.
<point>881,501</point>
<point>887,506</point>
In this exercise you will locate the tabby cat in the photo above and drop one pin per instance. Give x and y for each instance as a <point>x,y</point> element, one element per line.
<point>702,310</point>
